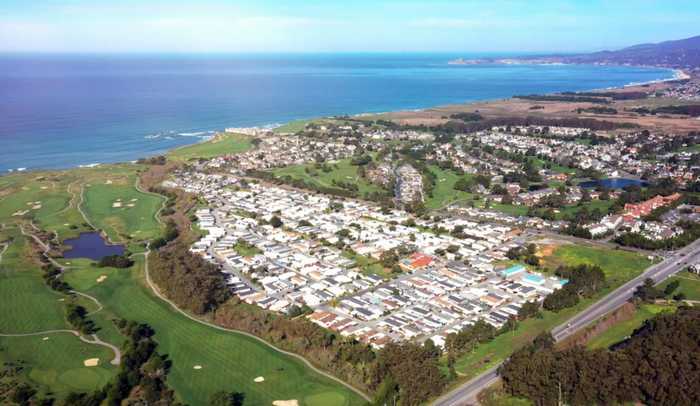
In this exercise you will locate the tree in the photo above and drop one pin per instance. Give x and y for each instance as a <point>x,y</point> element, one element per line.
<point>464,184</point>
<point>276,222</point>
<point>528,309</point>
<point>648,292</point>
<point>671,287</point>
<point>222,398</point>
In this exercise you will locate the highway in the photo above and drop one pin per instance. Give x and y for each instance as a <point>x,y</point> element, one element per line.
<point>466,394</point>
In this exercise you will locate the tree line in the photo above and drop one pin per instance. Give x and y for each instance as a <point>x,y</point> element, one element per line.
<point>658,365</point>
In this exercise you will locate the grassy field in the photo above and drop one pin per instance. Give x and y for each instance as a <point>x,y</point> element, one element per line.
<point>121,211</point>
<point>622,330</point>
<point>229,361</point>
<point>54,361</point>
<point>689,285</point>
<point>369,266</point>
<point>292,126</point>
<point>619,266</point>
<point>221,144</point>
<point>342,171</point>
<point>444,192</point>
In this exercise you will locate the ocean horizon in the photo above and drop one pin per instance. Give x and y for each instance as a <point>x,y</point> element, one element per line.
<point>61,111</point>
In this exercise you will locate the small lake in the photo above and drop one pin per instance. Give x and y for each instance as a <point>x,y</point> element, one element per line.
<point>612,183</point>
<point>91,245</point>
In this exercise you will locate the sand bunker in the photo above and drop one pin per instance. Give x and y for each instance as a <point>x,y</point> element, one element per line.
<point>36,207</point>
<point>20,213</point>
<point>101,278</point>
<point>292,402</point>
<point>108,182</point>
<point>45,339</point>
<point>117,204</point>
<point>259,379</point>
<point>197,367</point>
<point>134,199</point>
<point>131,205</point>
<point>91,362</point>
<point>44,187</point>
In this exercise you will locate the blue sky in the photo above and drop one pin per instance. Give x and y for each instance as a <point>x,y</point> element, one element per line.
<point>341,26</point>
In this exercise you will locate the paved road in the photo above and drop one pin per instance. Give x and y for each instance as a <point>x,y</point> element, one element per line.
<point>467,393</point>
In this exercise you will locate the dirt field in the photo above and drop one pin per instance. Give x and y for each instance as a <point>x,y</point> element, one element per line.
<point>523,108</point>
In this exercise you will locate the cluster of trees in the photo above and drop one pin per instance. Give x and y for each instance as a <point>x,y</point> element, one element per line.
<point>115,261</point>
<point>142,375</point>
<point>407,372</point>
<point>467,184</point>
<point>154,160</point>
<point>692,110</point>
<point>597,110</point>
<point>170,234</point>
<point>77,317</point>
<point>468,339</point>
<point>528,254</point>
<point>467,116</point>
<point>188,279</point>
<point>691,232</point>
<point>657,365</point>
<point>583,281</point>
<point>571,97</point>
<point>347,358</point>
<point>52,278</point>
<point>361,160</point>
<point>613,95</point>
<point>647,292</point>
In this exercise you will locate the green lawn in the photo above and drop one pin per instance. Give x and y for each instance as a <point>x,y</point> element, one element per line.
<point>121,211</point>
<point>341,171</point>
<point>619,266</point>
<point>622,330</point>
<point>689,285</point>
<point>229,361</point>
<point>444,192</point>
<point>369,266</point>
<point>221,144</point>
<point>28,305</point>
<point>292,126</point>
<point>247,251</point>
<point>54,361</point>
<point>567,211</point>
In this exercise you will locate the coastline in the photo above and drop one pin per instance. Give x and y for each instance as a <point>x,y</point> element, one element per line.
<point>205,136</point>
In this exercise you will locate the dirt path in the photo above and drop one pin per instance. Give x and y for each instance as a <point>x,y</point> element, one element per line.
<point>2,252</point>
<point>85,295</point>
<point>80,207</point>
<point>95,341</point>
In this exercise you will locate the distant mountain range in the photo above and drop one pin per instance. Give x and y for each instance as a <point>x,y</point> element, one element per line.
<point>678,54</point>
<point>683,53</point>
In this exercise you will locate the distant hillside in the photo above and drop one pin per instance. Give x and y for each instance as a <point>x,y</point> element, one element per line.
<point>684,53</point>
<point>679,54</point>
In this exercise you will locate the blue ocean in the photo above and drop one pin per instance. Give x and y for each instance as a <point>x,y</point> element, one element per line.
<point>61,111</point>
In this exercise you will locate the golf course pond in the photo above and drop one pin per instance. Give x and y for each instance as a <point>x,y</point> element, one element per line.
<point>612,183</point>
<point>91,245</point>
